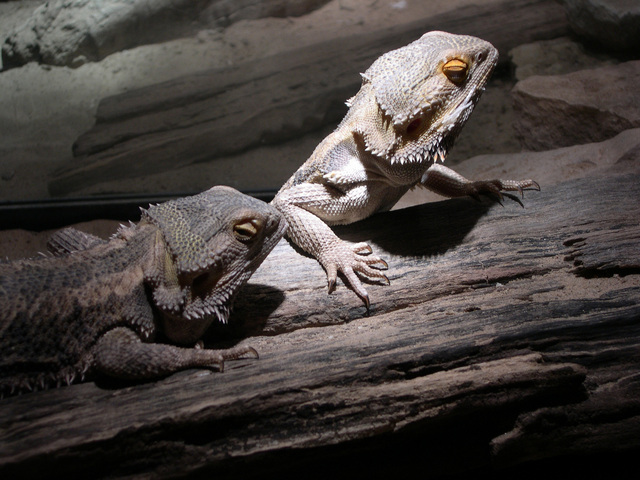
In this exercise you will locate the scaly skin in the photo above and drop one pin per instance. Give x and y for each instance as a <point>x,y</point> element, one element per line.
<point>402,122</point>
<point>97,307</point>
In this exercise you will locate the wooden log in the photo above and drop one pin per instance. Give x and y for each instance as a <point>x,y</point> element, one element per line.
<point>220,113</point>
<point>509,338</point>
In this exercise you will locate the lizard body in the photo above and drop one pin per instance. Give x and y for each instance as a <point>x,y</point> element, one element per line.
<point>402,122</point>
<point>100,307</point>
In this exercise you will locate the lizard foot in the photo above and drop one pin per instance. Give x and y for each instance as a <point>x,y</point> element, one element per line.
<point>446,182</point>
<point>353,261</point>
<point>234,354</point>
<point>497,189</point>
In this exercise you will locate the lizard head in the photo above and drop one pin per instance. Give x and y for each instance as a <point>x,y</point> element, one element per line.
<point>206,247</point>
<point>424,94</point>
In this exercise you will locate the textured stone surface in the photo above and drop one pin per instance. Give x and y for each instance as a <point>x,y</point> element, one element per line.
<point>72,32</point>
<point>580,107</point>
<point>214,116</point>
<point>612,24</point>
<point>50,107</point>
<point>554,57</point>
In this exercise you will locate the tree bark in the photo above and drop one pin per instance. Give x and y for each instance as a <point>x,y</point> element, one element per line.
<point>508,341</point>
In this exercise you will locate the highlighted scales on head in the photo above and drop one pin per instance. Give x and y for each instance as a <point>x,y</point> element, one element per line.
<point>425,92</point>
<point>206,248</point>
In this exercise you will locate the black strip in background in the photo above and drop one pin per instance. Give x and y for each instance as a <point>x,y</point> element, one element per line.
<point>57,213</point>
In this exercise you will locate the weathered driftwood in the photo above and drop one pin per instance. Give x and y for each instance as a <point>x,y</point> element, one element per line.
<point>220,113</point>
<point>509,338</point>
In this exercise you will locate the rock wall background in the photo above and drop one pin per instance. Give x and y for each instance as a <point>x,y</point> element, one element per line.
<point>119,97</point>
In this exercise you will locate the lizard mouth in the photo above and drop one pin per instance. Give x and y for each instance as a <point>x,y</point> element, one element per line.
<point>201,303</point>
<point>429,140</point>
<point>211,293</point>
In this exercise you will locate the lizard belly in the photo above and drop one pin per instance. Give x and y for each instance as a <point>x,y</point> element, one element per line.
<point>356,202</point>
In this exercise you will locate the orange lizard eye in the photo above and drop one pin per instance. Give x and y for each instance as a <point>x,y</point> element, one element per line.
<point>456,70</point>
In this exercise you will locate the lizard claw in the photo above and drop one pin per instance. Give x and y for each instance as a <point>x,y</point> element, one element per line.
<point>234,354</point>
<point>354,261</point>
<point>497,189</point>
<point>515,198</point>
<point>362,249</point>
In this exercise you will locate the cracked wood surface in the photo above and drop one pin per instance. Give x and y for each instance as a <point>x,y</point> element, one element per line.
<point>508,338</point>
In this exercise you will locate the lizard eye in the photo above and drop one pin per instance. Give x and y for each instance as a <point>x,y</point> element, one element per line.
<point>456,70</point>
<point>247,229</point>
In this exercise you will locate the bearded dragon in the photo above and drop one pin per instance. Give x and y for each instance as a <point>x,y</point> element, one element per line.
<point>400,126</point>
<point>101,307</point>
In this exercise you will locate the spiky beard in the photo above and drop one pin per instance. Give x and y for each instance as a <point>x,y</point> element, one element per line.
<point>448,126</point>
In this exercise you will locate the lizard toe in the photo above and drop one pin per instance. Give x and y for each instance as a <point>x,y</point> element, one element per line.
<point>366,257</point>
<point>497,189</point>
<point>362,248</point>
<point>354,263</point>
<point>352,280</point>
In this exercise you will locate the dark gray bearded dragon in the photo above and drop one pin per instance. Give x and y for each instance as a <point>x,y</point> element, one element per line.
<point>98,307</point>
<point>401,123</point>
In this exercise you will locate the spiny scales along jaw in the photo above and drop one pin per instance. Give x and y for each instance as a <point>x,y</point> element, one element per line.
<point>425,103</point>
<point>210,244</point>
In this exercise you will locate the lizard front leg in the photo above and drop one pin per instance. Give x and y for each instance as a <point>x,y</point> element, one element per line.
<point>307,208</point>
<point>448,183</point>
<point>120,353</point>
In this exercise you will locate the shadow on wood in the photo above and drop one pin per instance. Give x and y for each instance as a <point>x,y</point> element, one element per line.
<point>511,349</point>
